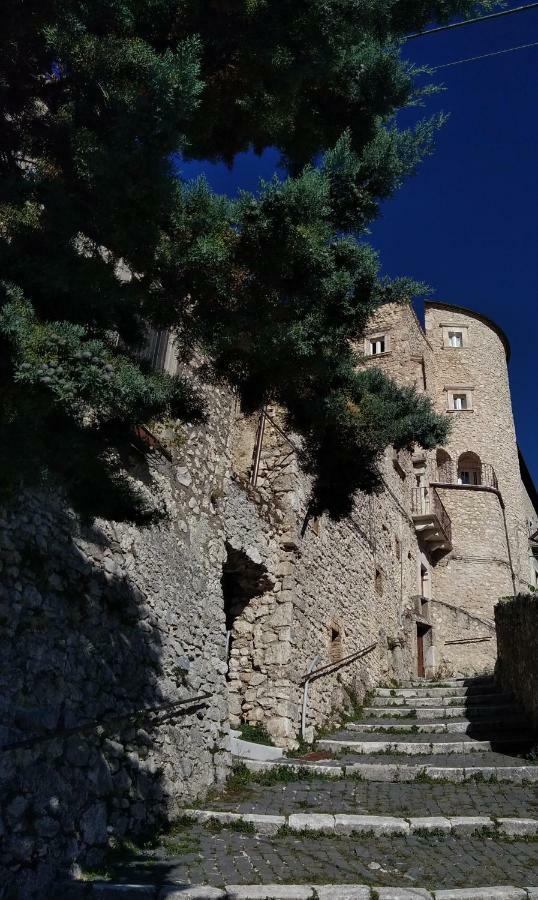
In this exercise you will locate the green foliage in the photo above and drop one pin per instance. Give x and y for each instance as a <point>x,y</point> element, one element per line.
<point>257,734</point>
<point>100,240</point>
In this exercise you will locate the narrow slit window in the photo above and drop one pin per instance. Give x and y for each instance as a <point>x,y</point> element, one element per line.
<point>378,582</point>
<point>335,648</point>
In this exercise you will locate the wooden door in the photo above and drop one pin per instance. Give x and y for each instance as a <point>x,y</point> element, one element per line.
<point>420,653</point>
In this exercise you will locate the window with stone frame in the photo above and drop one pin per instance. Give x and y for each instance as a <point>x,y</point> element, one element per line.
<point>377,344</point>
<point>459,399</point>
<point>455,337</point>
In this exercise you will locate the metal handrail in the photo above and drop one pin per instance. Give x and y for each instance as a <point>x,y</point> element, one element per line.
<point>331,667</point>
<point>189,702</point>
<point>327,669</point>
<point>426,501</point>
<point>483,474</point>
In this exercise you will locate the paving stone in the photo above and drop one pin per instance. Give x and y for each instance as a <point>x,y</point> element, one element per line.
<point>429,823</point>
<point>468,824</point>
<point>342,892</point>
<point>485,893</point>
<point>347,824</point>
<point>389,893</point>
<point>518,827</point>
<point>191,892</point>
<point>311,822</point>
<point>268,892</point>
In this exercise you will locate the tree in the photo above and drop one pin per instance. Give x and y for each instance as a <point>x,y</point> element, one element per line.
<point>97,100</point>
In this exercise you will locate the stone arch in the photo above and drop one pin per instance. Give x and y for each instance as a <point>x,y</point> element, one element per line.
<point>469,468</point>
<point>443,461</point>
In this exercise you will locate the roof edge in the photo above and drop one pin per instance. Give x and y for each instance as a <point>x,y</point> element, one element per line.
<point>439,304</point>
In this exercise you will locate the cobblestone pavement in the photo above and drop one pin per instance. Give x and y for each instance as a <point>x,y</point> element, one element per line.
<point>378,798</point>
<point>229,857</point>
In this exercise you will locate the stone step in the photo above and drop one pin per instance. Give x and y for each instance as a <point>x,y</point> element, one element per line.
<point>437,691</point>
<point>454,769</point>
<point>454,726</point>
<point>378,743</point>
<point>493,699</point>
<point>344,823</point>
<point>447,682</point>
<point>75,890</point>
<point>440,712</point>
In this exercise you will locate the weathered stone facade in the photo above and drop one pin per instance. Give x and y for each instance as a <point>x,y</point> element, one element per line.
<point>103,630</point>
<point>239,594</point>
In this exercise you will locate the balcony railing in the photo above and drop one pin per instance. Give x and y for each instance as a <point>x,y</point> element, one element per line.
<point>427,506</point>
<point>482,474</point>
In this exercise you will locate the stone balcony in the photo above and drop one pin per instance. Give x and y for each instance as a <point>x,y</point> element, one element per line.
<point>432,522</point>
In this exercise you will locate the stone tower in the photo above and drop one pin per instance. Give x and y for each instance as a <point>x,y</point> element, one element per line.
<point>477,475</point>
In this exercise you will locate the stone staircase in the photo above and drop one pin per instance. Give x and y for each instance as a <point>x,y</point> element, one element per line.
<point>431,794</point>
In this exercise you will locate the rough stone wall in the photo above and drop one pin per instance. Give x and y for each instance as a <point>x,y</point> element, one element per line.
<point>465,644</point>
<point>531,518</point>
<point>476,573</point>
<point>102,624</point>
<point>319,582</point>
<point>488,428</point>
<point>516,621</point>
<point>355,577</point>
<point>409,358</point>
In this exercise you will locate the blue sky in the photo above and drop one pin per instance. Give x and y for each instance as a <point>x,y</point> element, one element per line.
<point>466,224</point>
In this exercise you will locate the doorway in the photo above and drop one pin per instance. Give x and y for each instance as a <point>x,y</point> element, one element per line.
<point>422,631</point>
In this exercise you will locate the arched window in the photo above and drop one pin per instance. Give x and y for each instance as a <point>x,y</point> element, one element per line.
<point>469,469</point>
<point>444,467</point>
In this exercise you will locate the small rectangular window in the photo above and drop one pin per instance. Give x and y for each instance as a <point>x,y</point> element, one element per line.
<point>377,346</point>
<point>455,338</point>
<point>460,401</point>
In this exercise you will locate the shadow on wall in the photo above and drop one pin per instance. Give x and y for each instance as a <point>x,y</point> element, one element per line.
<point>82,760</point>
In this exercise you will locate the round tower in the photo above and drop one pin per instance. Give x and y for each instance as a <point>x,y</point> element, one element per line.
<point>477,474</point>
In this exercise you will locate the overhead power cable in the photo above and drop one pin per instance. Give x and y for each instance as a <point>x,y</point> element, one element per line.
<point>458,62</point>
<point>496,15</point>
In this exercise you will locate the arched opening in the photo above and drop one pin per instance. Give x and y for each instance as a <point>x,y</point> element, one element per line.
<point>444,467</point>
<point>242,579</point>
<point>469,469</point>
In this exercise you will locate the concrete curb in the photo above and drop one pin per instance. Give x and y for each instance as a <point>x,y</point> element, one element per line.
<point>343,823</point>
<point>74,890</point>
<point>477,713</point>
<point>413,748</point>
<point>396,772</point>
<point>410,725</point>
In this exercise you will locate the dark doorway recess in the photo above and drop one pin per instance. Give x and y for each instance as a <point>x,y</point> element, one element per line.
<point>422,631</point>
<point>242,579</point>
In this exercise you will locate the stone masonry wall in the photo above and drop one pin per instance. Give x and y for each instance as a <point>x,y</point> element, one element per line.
<point>102,624</point>
<point>476,573</point>
<point>488,428</point>
<point>318,586</point>
<point>516,622</point>
<point>465,644</point>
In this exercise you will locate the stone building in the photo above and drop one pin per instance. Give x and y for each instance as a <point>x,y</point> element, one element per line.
<point>408,583</point>
<point>127,652</point>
